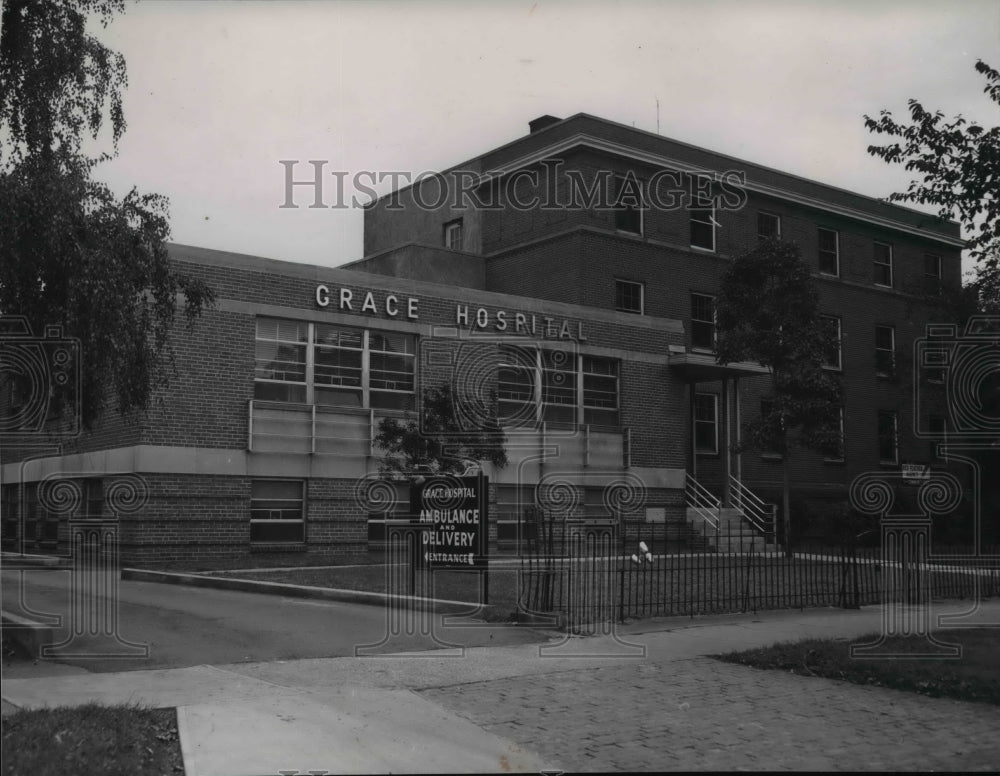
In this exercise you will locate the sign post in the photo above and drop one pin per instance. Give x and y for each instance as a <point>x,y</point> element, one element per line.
<point>454,512</point>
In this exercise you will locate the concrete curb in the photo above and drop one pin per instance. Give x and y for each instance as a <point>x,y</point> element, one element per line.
<point>30,635</point>
<point>297,591</point>
<point>15,560</point>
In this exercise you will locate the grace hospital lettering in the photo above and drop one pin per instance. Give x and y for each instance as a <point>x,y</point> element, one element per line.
<point>479,318</point>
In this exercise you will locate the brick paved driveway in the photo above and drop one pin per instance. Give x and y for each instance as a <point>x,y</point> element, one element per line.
<point>702,714</point>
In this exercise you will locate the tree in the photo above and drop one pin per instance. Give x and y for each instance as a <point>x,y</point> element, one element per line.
<point>72,253</point>
<point>768,311</point>
<point>439,442</point>
<point>959,167</point>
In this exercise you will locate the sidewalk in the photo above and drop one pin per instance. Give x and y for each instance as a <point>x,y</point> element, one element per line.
<point>644,698</point>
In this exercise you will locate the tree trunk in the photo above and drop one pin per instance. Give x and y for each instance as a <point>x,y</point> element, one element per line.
<point>786,498</point>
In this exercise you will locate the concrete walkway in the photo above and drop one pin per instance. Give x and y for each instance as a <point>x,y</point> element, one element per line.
<point>644,697</point>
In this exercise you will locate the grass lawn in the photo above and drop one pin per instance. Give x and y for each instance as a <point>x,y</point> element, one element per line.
<point>973,677</point>
<point>94,740</point>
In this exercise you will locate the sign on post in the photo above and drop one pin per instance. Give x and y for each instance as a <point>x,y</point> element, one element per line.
<point>455,509</point>
<point>915,473</point>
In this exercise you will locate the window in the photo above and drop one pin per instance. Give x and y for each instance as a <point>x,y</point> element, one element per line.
<point>558,386</point>
<point>516,385</point>
<point>340,366</point>
<point>885,351</point>
<point>838,457</point>
<point>628,206</point>
<point>391,369</point>
<point>883,264</point>
<point>600,391</point>
<point>932,273</point>
<point>887,444</point>
<point>831,324</point>
<point>829,251</point>
<point>768,226</point>
<point>453,235</point>
<point>338,371</point>
<point>629,296</point>
<point>706,426</point>
<point>702,322</point>
<point>276,513</point>
<point>571,389</point>
<point>703,225</point>
<point>280,365</point>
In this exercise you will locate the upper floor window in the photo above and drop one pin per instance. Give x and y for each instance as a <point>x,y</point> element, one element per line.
<point>829,251</point>
<point>768,226</point>
<point>883,264</point>
<point>703,226</point>
<point>702,322</point>
<point>706,423</point>
<point>280,360</point>
<point>535,385</point>
<point>629,296</point>
<point>453,235</point>
<point>320,363</point>
<point>832,325</point>
<point>628,205</point>
<point>885,351</point>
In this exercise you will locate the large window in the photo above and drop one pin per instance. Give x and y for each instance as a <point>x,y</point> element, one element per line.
<point>334,365</point>
<point>392,360</point>
<point>339,366</point>
<point>280,370</point>
<point>885,351</point>
<point>706,423</point>
<point>883,264</point>
<point>600,391</point>
<point>556,386</point>
<point>887,440</point>
<point>829,251</point>
<point>702,322</point>
<point>629,296</point>
<point>276,511</point>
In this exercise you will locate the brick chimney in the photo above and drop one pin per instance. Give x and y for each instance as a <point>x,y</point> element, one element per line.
<point>537,125</point>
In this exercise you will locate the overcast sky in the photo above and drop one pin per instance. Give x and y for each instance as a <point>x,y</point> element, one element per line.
<point>220,91</point>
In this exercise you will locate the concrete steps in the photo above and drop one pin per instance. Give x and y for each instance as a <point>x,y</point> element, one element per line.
<point>734,533</point>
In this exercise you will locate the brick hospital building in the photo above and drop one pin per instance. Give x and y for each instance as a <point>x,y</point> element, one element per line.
<point>575,279</point>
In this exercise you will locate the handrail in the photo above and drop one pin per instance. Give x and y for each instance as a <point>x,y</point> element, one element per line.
<point>696,496</point>
<point>756,511</point>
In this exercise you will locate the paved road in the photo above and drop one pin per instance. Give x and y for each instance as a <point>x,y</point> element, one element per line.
<point>186,626</point>
<point>702,714</point>
<point>579,705</point>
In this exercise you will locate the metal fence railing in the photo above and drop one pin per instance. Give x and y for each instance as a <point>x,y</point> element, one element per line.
<point>589,572</point>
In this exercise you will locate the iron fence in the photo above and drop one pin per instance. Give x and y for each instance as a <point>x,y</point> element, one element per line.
<point>589,573</point>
